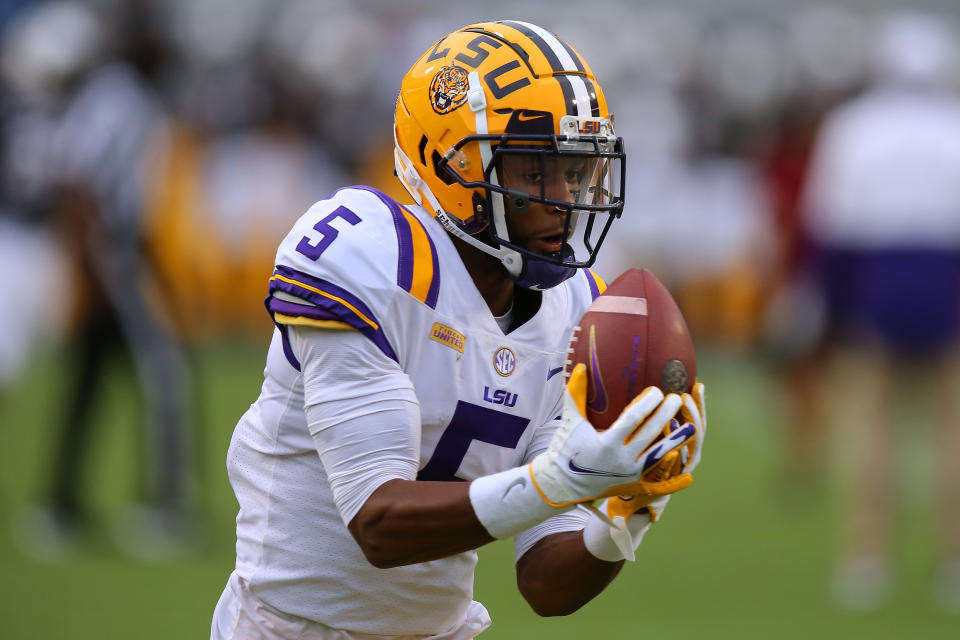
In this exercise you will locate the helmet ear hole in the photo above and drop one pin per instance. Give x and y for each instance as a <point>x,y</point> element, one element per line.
<point>422,148</point>
<point>443,175</point>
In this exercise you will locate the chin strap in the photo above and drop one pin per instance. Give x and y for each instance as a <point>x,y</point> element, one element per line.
<point>541,275</point>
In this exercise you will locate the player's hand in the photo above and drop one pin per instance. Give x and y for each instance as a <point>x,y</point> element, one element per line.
<point>673,472</point>
<point>676,466</point>
<point>583,464</point>
<point>659,482</point>
<point>694,411</point>
<point>617,526</point>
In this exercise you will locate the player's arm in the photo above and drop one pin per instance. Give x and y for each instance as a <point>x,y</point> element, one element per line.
<point>405,522</point>
<point>558,575</point>
<point>563,570</point>
<point>365,422</point>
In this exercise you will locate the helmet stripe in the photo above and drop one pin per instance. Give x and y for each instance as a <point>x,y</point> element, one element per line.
<point>569,96</point>
<point>579,98</point>
<point>592,92</point>
<point>581,104</point>
<point>577,60</point>
<point>556,52</point>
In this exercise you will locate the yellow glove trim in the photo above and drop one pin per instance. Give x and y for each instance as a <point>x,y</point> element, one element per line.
<point>639,426</point>
<point>665,475</point>
<point>652,490</point>
<point>669,466</point>
<point>577,388</point>
<point>697,395</point>
<point>544,497</point>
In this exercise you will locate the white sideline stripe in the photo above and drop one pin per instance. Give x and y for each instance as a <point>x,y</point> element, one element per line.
<point>620,304</point>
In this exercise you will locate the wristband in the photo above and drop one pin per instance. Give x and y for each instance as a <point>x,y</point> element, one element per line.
<point>508,502</point>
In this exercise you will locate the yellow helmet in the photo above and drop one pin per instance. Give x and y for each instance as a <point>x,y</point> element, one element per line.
<point>503,88</point>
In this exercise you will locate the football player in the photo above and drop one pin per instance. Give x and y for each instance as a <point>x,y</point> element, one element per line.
<point>411,409</point>
<point>881,206</point>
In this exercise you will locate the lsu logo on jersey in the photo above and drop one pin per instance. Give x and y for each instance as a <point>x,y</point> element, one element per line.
<point>504,361</point>
<point>500,396</point>
<point>447,336</point>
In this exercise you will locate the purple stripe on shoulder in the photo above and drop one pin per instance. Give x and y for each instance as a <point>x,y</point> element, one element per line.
<point>331,313</point>
<point>287,349</point>
<point>317,283</point>
<point>405,248</point>
<point>405,252</point>
<point>275,305</point>
<point>594,289</point>
<point>326,308</point>
<point>434,292</point>
<point>404,238</point>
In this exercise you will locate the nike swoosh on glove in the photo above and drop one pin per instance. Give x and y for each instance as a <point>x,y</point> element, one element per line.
<point>583,464</point>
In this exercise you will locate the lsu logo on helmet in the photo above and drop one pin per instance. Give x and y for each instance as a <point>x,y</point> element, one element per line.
<point>448,89</point>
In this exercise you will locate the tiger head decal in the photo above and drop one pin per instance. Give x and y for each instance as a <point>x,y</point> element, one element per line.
<point>448,89</point>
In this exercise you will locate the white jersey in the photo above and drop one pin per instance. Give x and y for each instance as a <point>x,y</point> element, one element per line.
<point>886,172</point>
<point>485,402</point>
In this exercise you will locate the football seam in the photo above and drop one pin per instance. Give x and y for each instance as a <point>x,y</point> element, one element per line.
<point>568,363</point>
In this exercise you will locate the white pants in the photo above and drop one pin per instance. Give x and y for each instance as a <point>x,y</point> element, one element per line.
<point>242,616</point>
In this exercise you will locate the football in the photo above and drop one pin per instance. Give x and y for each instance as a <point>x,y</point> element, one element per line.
<point>632,337</point>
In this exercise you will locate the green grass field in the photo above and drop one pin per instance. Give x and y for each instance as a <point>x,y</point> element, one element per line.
<point>734,557</point>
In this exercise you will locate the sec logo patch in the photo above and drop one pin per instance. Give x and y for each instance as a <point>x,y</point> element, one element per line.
<point>504,361</point>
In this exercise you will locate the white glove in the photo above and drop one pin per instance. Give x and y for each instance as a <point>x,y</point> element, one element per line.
<point>583,464</point>
<point>617,526</point>
<point>694,411</point>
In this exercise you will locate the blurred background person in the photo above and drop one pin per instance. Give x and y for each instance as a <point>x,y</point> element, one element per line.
<point>827,48</point>
<point>27,126</point>
<point>883,210</point>
<point>109,132</point>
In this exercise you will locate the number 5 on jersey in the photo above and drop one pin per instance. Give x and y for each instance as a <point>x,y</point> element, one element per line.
<point>471,422</point>
<point>312,247</point>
